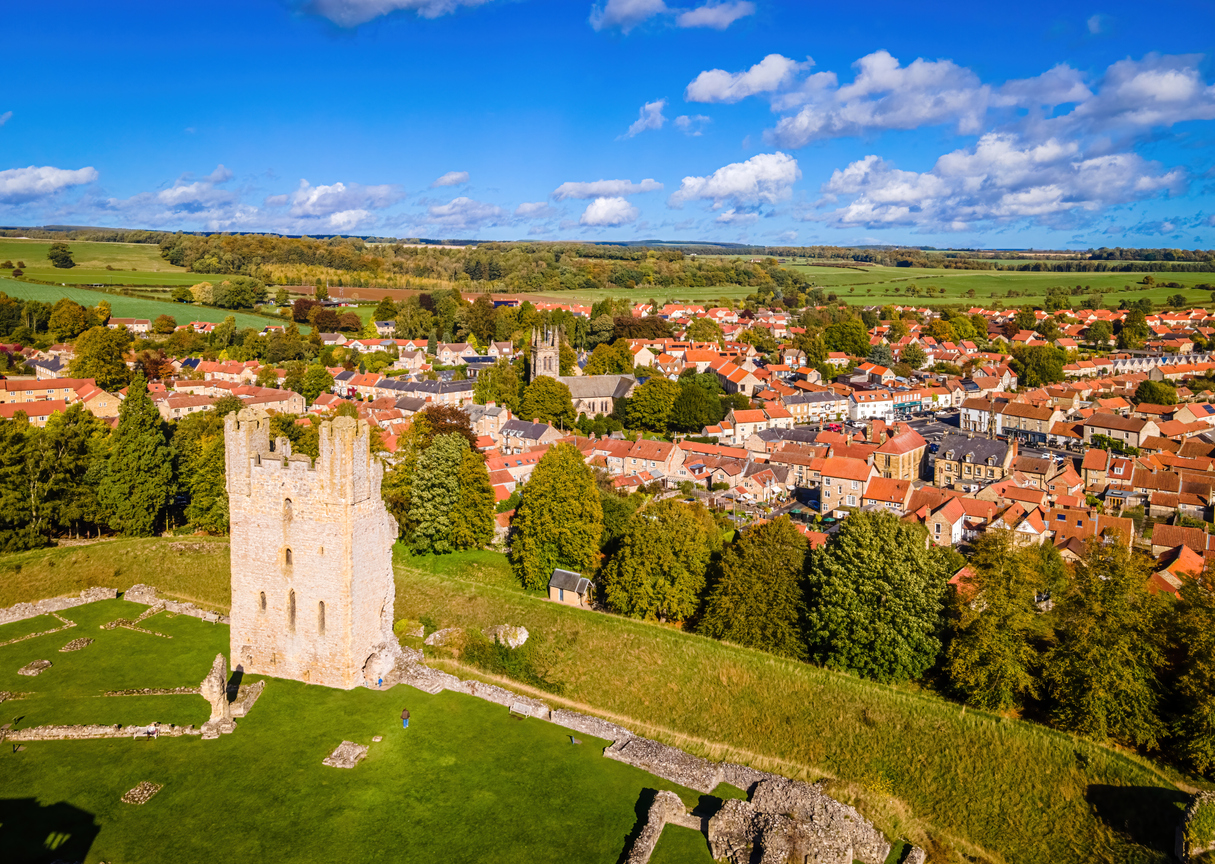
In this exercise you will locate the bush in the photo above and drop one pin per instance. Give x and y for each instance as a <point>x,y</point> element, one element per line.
<point>523,664</point>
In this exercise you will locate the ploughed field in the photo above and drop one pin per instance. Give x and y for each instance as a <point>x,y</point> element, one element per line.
<point>465,783</point>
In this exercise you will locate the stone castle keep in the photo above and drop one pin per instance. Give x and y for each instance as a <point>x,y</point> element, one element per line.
<point>312,585</point>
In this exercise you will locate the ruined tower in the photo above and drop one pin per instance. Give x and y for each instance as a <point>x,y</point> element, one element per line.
<point>546,352</point>
<point>312,587</point>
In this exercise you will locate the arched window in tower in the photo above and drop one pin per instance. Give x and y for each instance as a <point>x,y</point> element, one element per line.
<point>263,601</point>
<point>287,510</point>
<point>291,610</point>
<point>287,557</point>
<point>320,617</point>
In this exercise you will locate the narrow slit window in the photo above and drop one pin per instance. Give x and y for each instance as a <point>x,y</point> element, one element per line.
<point>287,510</point>
<point>263,601</point>
<point>291,610</point>
<point>320,617</point>
<point>287,558</point>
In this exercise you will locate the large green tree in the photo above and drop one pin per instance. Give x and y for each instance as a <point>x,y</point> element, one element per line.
<point>17,531</point>
<point>135,485</point>
<point>874,599</point>
<point>99,356</point>
<point>1194,634</point>
<point>317,380</point>
<point>498,384</point>
<point>61,456</point>
<point>1156,393</point>
<point>991,659</point>
<point>208,507</point>
<point>69,319</point>
<point>435,493</point>
<point>757,599</point>
<point>692,409</point>
<point>850,336</point>
<point>559,519</point>
<point>547,400</point>
<point>651,403</point>
<point>659,568</point>
<point>472,518</point>
<point>1102,671</point>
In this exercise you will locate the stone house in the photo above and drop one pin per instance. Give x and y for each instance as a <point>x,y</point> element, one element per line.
<point>734,379</point>
<point>1131,431</point>
<point>1031,422</point>
<point>520,435</point>
<point>888,493</point>
<point>972,461</point>
<point>842,482</point>
<point>597,394</point>
<point>901,456</point>
<point>866,405</point>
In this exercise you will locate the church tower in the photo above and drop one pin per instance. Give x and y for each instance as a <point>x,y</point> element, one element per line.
<point>312,585</point>
<point>546,352</point>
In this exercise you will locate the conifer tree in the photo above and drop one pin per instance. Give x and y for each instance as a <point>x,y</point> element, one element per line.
<point>757,601</point>
<point>472,519</point>
<point>16,529</point>
<point>435,493</point>
<point>136,482</point>
<point>873,597</point>
<point>559,519</point>
<point>659,569</point>
<point>208,508</point>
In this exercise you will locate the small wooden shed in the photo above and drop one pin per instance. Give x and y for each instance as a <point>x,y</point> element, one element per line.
<point>570,588</point>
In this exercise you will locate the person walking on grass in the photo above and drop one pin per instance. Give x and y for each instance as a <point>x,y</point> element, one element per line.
<point>405,719</point>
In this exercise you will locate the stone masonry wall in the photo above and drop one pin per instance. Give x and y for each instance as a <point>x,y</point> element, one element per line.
<point>304,535</point>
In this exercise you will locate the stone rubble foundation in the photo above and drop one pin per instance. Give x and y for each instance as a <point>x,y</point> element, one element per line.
<point>76,645</point>
<point>142,793</point>
<point>346,755</point>
<point>37,667</point>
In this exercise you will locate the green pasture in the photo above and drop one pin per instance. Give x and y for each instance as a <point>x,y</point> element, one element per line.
<point>875,285</point>
<point>122,306</point>
<point>465,783</point>
<point>133,263</point>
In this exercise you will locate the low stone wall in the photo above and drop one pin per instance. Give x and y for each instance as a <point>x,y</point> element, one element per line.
<point>669,763</point>
<point>245,697</point>
<point>81,733</point>
<point>666,808</point>
<point>588,725</point>
<point>1189,848</point>
<point>22,611</point>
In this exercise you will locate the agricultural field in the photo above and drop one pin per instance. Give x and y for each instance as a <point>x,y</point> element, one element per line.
<point>133,263</point>
<point>465,782</point>
<point>958,782</point>
<point>122,306</point>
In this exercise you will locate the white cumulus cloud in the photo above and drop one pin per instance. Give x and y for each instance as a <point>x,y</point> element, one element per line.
<point>451,178</point>
<point>325,201</point>
<point>773,73</point>
<point>650,117</point>
<point>466,213</point>
<point>609,213</point>
<point>1142,94</point>
<point>347,220</point>
<point>763,179</point>
<point>624,15</point>
<point>1001,178</point>
<point>604,189</point>
<point>692,125</point>
<point>717,16</point>
<point>351,13</point>
<point>19,185</point>
<point>535,210</point>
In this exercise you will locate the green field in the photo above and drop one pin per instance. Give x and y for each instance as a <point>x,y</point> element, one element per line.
<point>129,307</point>
<point>465,783</point>
<point>876,285</point>
<point>134,263</point>
<point>961,783</point>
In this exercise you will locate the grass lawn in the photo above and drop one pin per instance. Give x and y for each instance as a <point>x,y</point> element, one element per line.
<point>465,783</point>
<point>128,307</point>
<point>959,783</point>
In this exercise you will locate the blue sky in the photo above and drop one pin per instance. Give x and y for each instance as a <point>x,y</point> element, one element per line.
<point>1047,124</point>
